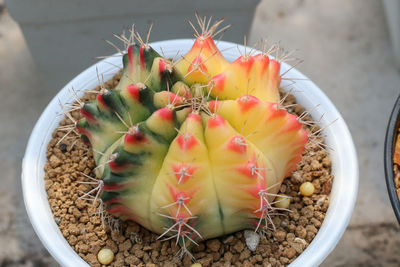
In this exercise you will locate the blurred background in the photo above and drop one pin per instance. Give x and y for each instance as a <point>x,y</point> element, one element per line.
<point>349,50</point>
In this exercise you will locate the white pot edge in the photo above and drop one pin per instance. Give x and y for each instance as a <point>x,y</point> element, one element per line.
<point>344,160</point>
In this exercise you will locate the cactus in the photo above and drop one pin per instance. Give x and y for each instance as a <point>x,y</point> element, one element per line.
<point>192,149</point>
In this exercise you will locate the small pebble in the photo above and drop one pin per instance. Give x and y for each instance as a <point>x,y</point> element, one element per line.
<point>282,201</point>
<point>105,256</point>
<point>307,189</point>
<point>63,147</point>
<point>228,239</point>
<point>252,239</point>
<point>290,253</point>
<point>214,245</point>
<point>321,201</point>
<point>280,235</point>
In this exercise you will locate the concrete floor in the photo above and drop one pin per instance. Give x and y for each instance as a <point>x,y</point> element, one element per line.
<point>347,53</point>
<point>19,83</point>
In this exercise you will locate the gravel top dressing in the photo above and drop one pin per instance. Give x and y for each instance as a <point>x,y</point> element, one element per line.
<point>88,229</point>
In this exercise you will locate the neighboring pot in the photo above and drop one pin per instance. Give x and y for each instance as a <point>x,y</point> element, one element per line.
<point>391,135</point>
<point>343,156</point>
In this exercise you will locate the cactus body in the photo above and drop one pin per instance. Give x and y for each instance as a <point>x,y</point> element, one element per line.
<point>195,149</point>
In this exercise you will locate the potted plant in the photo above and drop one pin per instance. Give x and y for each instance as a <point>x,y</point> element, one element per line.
<point>391,147</point>
<point>200,101</point>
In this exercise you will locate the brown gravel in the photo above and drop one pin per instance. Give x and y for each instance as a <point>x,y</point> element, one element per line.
<point>133,245</point>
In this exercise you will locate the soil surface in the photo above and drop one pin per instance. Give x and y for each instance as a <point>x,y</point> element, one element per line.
<point>70,161</point>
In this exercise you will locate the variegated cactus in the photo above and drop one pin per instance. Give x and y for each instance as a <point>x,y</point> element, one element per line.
<point>193,149</point>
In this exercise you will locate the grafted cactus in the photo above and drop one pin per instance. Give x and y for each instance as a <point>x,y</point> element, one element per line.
<point>193,149</point>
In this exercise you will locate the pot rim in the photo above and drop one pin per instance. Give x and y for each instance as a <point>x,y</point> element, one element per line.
<point>390,139</point>
<point>344,161</point>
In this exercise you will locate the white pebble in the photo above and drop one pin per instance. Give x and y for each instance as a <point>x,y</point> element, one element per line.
<point>307,189</point>
<point>282,202</point>
<point>321,201</point>
<point>252,239</point>
<point>105,256</point>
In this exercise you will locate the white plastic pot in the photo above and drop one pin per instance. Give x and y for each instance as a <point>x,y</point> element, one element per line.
<point>343,156</point>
